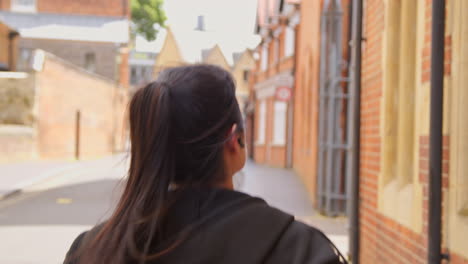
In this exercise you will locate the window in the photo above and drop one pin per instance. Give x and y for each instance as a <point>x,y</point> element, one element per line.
<point>25,59</point>
<point>90,62</point>
<point>399,188</point>
<point>264,59</point>
<point>261,123</point>
<point>133,76</point>
<point>246,75</point>
<point>279,124</point>
<point>276,51</point>
<point>290,40</point>
<point>23,5</point>
<point>399,94</point>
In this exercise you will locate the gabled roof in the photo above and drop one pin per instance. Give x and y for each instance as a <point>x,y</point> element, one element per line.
<point>236,56</point>
<point>195,46</point>
<point>217,57</point>
<point>68,27</point>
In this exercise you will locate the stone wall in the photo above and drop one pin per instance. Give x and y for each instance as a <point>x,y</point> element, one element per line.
<point>17,95</point>
<point>66,90</point>
<point>39,112</point>
<point>17,143</point>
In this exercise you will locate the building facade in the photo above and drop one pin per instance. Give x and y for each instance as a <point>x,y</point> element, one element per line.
<point>60,111</point>
<point>93,36</point>
<point>395,121</point>
<point>9,48</point>
<point>277,23</point>
<point>178,49</point>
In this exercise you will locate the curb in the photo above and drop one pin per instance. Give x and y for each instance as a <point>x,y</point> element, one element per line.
<point>19,187</point>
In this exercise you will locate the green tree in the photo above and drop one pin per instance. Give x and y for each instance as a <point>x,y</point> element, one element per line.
<point>148,16</point>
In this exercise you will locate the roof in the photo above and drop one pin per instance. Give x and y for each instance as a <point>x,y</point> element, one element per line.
<point>195,44</point>
<point>236,56</point>
<point>68,27</point>
<point>205,54</point>
<point>8,27</point>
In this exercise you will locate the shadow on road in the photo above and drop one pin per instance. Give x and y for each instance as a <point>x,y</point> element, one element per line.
<point>79,204</point>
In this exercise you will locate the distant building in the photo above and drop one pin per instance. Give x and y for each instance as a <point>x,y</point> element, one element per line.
<point>273,81</point>
<point>191,46</point>
<point>8,51</point>
<point>244,63</point>
<point>141,67</point>
<point>92,35</point>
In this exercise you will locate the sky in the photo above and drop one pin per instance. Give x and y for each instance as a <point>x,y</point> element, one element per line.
<point>236,16</point>
<point>234,20</point>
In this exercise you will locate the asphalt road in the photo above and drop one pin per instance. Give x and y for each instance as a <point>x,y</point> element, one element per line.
<point>38,225</point>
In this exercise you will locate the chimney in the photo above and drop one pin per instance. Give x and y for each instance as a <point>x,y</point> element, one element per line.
<point>200,23</point>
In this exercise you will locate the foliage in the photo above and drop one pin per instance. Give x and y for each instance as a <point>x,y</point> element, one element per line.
<point>148,16</point>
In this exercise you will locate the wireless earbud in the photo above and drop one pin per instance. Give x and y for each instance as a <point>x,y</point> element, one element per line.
<point>239,140</point>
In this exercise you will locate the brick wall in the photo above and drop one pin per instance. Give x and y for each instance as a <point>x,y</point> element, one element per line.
<point>306,94</point>
<point>9,47</point>
<point>4,5</point>
<point>383,239</point>
<point>115,8</point>
<point>85,7</point>
<point>269,153</point>
<point>66,89</point>
<point>17,142</point>
<point>17,98</point>
<point>106,54</point>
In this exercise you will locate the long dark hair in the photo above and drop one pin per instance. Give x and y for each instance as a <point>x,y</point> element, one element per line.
<point>178,126</point>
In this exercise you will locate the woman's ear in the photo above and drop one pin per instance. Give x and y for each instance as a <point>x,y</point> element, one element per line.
<point>233,138</point>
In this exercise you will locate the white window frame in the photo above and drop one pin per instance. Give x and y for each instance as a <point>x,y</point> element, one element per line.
<point>261,131</point>
<point>289,42</point>
<point>18,6</point>
<point>264,58</point>
<point>280,123</point>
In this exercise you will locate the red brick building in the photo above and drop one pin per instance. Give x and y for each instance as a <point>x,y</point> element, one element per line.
<point>9,47</point>
<point>92,35</point>
<point>395,129</point>
<point>273,82</point>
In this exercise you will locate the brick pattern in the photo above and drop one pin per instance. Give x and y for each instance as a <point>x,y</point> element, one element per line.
<point>9,47</point>
<point>85,7</point>
<point>426,52</point>
<point>4,5</point>
<point>75,51</point>
<point>66,89</point>
<point>426,57</point>
<point>456,259</point>
<point>267,153</point>
<point>383,240</point>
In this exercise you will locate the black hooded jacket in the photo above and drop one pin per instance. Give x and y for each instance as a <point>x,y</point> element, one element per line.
<point>232,227</point>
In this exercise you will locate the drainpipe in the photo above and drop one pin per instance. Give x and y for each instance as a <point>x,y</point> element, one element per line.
<point>290,126</point>
<point>355,85</point>
<point>435,138</point>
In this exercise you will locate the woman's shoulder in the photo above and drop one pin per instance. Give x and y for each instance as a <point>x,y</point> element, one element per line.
<point>72,256</point>
<point>301,243</point>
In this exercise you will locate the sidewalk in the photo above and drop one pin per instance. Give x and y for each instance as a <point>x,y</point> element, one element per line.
<point>16,176</point>
<point>282,189</point>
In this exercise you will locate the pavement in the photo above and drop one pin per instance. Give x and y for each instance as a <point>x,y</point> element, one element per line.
<point>55,201</point>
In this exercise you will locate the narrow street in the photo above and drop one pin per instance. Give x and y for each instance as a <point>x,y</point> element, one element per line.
<point>38,225</point>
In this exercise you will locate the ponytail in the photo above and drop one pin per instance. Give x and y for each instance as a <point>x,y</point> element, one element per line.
<point>177,128</point>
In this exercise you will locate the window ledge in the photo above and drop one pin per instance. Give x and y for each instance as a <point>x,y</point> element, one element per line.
<point>278,144</point>
<point>463,207</point>
<point>401,204</point>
